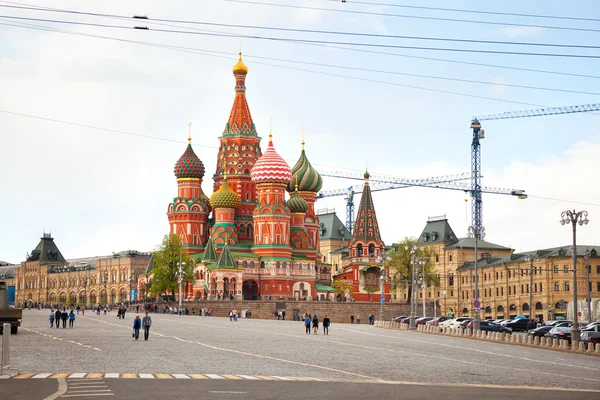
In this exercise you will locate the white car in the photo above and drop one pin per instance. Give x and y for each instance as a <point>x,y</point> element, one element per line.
<point>453,323</point>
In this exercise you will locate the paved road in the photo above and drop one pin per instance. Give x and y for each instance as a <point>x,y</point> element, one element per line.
<point>351,353</point>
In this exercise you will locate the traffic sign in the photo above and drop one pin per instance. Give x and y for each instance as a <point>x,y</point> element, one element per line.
<point>579,314</point>
<point>382,299</point>
<point>476,304</point>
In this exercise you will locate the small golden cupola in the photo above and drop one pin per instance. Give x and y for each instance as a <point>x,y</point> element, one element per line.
<point>240,68</point>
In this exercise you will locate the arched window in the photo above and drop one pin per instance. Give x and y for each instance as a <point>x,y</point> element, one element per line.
<point>251,264</point>
<point>278,265</point>
<point>539,306</point>
<point>284,265</point>
<point>371,250</point>
<point>244,264</point>
<point>359,250</point>
<point>262,264</point>
<point>500,309</point>
<point>525,307</point>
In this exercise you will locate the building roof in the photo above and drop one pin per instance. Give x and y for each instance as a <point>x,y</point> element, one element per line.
<point>270,167</point>
<point>8,271</point>
<point>343,250</point>
<point>554,252</point>
<point>319,287</point>
<point>437,230</point>
<point>46,252</point>
<point>240,121</point>
<point>209,254</point>
<point>366,228</point>
<point>225,259</point>
<point>189,165</point>
<point>469,243</point>
<point>332,228</point>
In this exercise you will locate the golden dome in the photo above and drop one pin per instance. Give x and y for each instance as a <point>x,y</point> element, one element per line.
<point>240,67</point>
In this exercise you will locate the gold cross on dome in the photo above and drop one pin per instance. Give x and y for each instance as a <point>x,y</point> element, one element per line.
<point>189,133</point>
<point>270,128</point>
<point>303,138</point>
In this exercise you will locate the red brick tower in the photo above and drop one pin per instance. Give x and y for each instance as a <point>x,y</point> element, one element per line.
<point>188,213</point>
<point>238,152</point>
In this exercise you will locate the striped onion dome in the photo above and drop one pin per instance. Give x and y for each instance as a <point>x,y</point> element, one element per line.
<point>296,203</point>
<point>189,165</point>
<point>271,168</point>
<point>225,197</point>
<point>305,176</point>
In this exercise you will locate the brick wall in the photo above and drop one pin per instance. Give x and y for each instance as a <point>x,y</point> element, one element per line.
<point>337,312</point>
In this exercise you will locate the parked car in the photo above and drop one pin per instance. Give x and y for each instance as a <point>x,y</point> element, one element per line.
<point>463,324</point>
<point>397,319</point>
<point>590,336</point>
<point>423,320</point>
<point>454,323</point>
<point>561,333</point>
<point>541,331</point>
<point>438,320</point>
<point>593,326</point>
<point>518,325</point>
<point>490,326</point>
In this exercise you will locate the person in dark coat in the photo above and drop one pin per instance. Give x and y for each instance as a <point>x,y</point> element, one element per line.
<point>326,323</point>
<point>64,315</point>
<point>146,323</point>
<point>137,325</point>
<point>71,319</point>
<point>315,323</point>
<point>57,316</point>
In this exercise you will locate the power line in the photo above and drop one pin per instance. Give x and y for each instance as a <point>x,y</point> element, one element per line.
<point>325,42</point>
<point>462,10</point>
<point>280,29</point>
<point>207,52</point>
<point>261,3</point>
<point>140,135</point>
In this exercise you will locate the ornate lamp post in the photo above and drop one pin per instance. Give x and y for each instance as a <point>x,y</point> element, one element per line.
<point>477,232</point>
<point>383,257</point>
<point>588,299</point>
<point>413,260</point>
<point>104,281</point>
<point>530,258</point>
<point>574,218</point>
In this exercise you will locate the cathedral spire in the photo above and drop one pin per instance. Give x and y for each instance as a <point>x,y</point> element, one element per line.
<point>365,227</point>
<point>240,121</point>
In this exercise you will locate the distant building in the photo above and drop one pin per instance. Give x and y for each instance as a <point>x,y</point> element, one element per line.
<point>334,239</point>
<point>47,277</point>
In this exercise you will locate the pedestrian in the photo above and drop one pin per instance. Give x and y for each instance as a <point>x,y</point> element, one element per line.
<point>326,324</point>
<point>352,319</point>
<point>78,309</point>
<point>315,322</point>
<point>283,315</point>
<point>119,311</point>
<point>137,325</point>
<point>64,315</point>
<point>307,323</point>
<point>83,311</point>
<point>235,315</point>
<point>71,319</point>
<point>230,316</point>
<point>146,323</point>
<point>358,318</point>
<point>57,318</point>
<point>123,313</point>
<point>51,318</point>
<point>276,314</point>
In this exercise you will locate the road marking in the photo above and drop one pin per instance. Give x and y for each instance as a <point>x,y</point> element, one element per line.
<point>82,387</point>
<point>250,378</point>
<point>77,375</point>
<point>61,375</point>
<point>197,376</point>
<point>181,376</point>
<point>129,376</point>
<point>226,392</point>
<point>227,376</point>
<point>214,376</point>
<point>23,376</point>
<point>111,375</point>
<point>41,376</point>
<point>62,389</point>
<point>282,378</point>
<point>54,337</point>
<point>163,376</point>
<point>146,376</point>
<point>87,395</point>
<point>265,378</point>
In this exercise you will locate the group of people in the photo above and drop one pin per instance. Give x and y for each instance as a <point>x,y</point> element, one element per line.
<point>233,315</point>
<point>144,323</point>
<point>57,316</point>
<point>279,315</point>
<point>121,313</point>
<point>308,320</point>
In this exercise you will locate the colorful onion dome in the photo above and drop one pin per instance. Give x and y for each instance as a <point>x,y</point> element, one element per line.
<point>296,203</point>
<point>305,176</point>
<point>271,168</point>
<point>240,67</point>
<point>225,197</point>
<point>189,165</point>
<point>366,175</point>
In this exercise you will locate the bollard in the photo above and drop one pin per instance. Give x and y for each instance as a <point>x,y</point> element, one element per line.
<point>543,341</point>
<point>590,347</point>
<point>4,360</point>
<point>566,345</point>
<point>581,347</point>
<point>597,348</point>
<point>536,341</point>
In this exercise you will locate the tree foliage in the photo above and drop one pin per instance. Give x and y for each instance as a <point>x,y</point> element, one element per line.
<point>370,289</point>
<point>400,264</point>
<point>341,286</point>
<point>166,266</point>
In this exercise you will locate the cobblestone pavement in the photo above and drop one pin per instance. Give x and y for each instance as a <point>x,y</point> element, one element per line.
<point>102,344</point>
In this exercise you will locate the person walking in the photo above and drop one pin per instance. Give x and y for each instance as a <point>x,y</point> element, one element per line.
<point>283,315</point>
<point>64,315</point>
<point>51,318</point>
<point>83,311</point>
<point>358,318</point>
<point>315,323</point>
<point>71,319</point>
<point>326,323</point>
<point>146,323</point>
<point>78,309</point>
<point>307,323</point>
<point>123,313</point>
<point>57,318</point>
<point>137,325</point>
<point>352,319</point>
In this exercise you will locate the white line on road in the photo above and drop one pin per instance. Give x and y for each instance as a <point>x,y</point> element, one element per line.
<point>282,378</point>
<point>146,376</point>
<point>250,378</point>
<point>214,376</point>
<point>111,375</point>
<point>62,389</point>
<point>87,395</point>
<point>226,392</point>
<point>181,376</point>
<point>77,375</point>
<point>41,376</point>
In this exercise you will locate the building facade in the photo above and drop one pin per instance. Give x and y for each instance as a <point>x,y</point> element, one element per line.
<point>46,277</point>
<point>334,239</point>
<point>257,244</point>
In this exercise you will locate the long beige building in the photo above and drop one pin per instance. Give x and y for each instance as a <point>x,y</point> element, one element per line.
<point>504,277</point>
<point>47,277</point>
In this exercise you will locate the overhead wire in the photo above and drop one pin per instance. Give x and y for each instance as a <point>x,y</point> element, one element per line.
<point>208,52</point>
<point>311,41</point>
<point>462,10</point>
<point>296,30</point>
<point>419,17</point>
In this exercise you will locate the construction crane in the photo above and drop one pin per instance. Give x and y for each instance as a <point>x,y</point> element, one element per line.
<point>384,182</point>
<point>478,134</point>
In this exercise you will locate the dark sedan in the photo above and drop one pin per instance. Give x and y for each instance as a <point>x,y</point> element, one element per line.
<point>541,331</point>
<point>489,326</point>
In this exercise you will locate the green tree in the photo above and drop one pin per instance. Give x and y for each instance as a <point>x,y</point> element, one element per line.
<point>341,286</point>
<point>400,265</point>
<point>370,289</point>
<point>70,301</point>
<point>166,266</point>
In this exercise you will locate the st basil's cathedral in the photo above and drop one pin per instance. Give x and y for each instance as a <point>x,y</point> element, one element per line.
<point>257,244</point>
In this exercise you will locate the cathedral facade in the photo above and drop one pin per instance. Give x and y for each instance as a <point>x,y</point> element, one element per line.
<point>257,235</point>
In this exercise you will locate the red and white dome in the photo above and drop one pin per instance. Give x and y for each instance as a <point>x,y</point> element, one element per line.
<point>271,168</point>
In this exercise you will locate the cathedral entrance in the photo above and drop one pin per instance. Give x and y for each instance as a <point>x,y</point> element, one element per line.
<point>250,290</point>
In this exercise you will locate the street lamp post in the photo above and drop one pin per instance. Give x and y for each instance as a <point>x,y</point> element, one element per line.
<point>180,279</point>
<point>104,279</point>
<point>587,274</point>
<point>383,257</point>
<point>574,218</point>
<point>530,259</point>
<point>477,232</point>
<point>413,256</point>
<point>422,262</point>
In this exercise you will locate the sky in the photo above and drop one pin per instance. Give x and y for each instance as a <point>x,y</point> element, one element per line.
<point>100,191</point>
